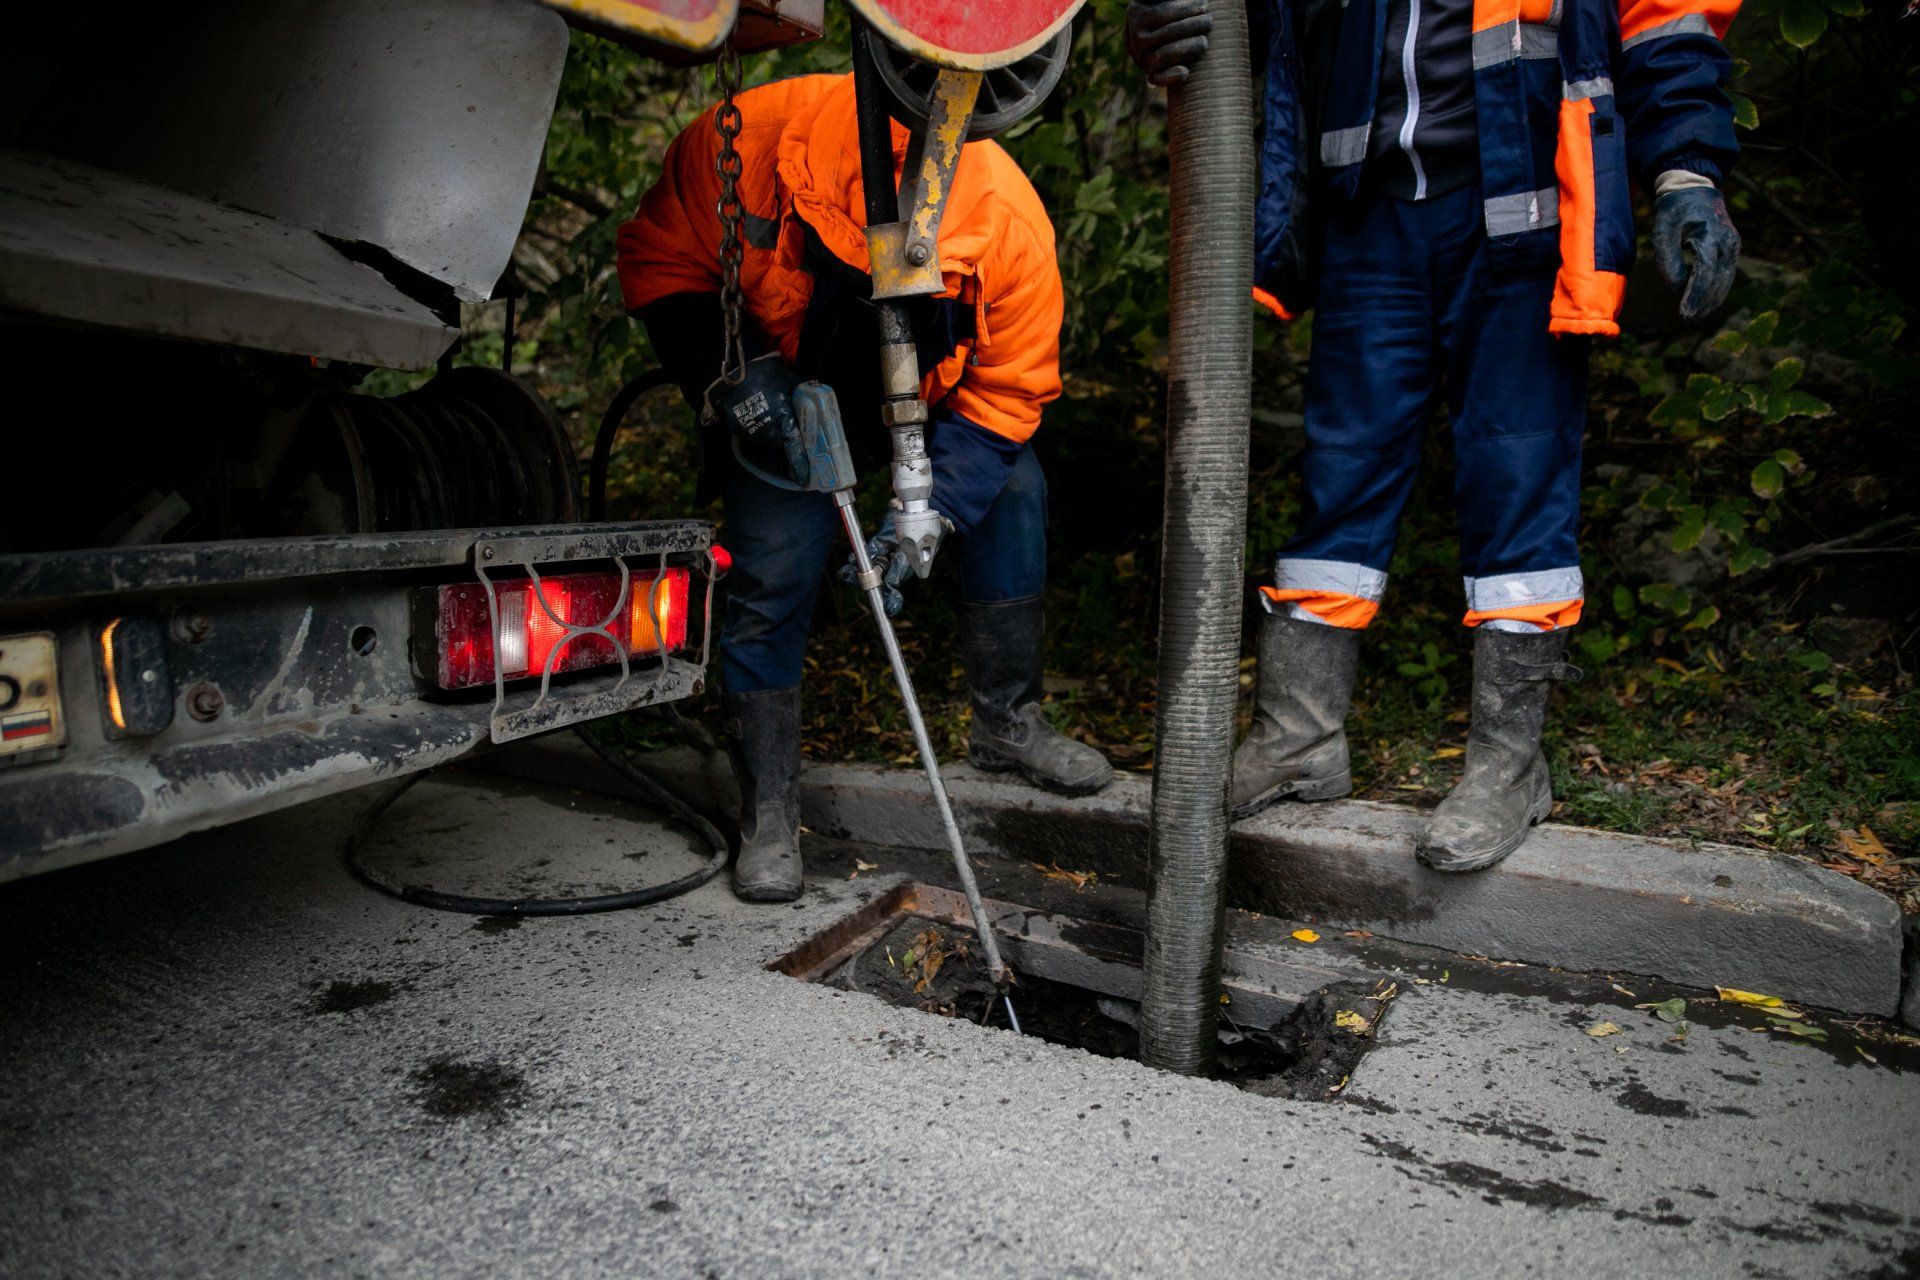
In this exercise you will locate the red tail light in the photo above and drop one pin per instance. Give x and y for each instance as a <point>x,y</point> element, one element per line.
<point>653,619</point>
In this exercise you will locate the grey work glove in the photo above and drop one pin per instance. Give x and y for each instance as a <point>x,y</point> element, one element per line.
<point>1695,218</point>
<point>883,548</point>
<point>1166,36</point>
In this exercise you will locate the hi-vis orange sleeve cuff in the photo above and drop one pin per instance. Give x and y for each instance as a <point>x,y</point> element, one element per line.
<point>1271,303</point>
<point>1335,608</point>
<point>1548,617</point>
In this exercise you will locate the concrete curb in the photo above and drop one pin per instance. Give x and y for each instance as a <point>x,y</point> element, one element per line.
<point>1700,914</point>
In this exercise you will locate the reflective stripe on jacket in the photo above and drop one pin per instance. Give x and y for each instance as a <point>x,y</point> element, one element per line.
<point>1575,99</point>
<point>801,164</point>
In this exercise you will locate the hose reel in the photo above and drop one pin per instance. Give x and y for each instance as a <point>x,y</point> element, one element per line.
<point>1008,94</point>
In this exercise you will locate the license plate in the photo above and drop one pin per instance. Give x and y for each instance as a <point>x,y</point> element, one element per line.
<point>30,716</point>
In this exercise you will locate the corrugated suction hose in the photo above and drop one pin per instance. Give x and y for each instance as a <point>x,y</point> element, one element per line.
<point>1202,555</point>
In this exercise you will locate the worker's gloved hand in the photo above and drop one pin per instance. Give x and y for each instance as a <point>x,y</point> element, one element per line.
<point>1695,218</point>
<point>757,413</point>
<point>1166,36</point>
<point>883,548</point>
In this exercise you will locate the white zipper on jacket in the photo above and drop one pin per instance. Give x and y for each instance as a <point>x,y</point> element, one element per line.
<point>1413,101</point>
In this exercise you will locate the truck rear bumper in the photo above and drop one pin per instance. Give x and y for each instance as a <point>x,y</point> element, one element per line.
<point>282,670</point>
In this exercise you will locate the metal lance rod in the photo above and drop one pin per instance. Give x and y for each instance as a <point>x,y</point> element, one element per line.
<point>869,577</point>
<point>1202,555</point>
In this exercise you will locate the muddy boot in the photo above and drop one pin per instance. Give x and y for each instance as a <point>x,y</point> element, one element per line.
<point>763,740</point>
<point>1297,748</point>
<point>1506,787</point>
<point>1000,648</point>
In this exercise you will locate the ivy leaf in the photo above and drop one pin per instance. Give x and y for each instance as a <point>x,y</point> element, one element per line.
<point>1749,558</point>
<point>1664,596</point>
<point>1745,114</point>
<point>1677,408</point>
<point>1769,479</point>
<point>1730,340</point>
<point>1703,619</point>
<point>1727,518</point>
<point>1623,602</point>
<point>1786,373</point>
<point>1686,534</point>
<point>1596,647</point>
<point>1782,405</point>
<point>1802,22</point>
<point>1814,660</point>
<point>1719,402</point>
<point>1790,460</point>
<point>1760,329</point>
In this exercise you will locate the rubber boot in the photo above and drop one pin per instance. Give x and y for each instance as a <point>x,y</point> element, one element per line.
<point>1000,646</point>
<point>1506,788</point>
<point>1297,748</point>
<point>763,740</point>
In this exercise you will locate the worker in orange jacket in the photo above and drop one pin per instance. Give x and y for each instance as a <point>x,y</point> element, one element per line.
<point>989,348</point>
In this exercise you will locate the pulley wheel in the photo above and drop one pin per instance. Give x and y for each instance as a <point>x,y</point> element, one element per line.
<point>1007,94</point>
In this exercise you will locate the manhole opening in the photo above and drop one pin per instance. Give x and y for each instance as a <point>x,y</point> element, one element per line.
<point>1079,985</point>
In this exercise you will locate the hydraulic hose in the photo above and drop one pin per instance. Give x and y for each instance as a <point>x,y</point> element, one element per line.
<point>1209,402</point>
<point>610,421</point>
<point>441,900</point>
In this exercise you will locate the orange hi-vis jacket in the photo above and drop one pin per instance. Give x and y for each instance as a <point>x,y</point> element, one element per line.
<point>799,150</point>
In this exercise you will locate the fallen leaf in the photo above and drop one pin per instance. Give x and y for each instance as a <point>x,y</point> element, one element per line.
<point>1599,1029</point>
<point>1754,998</point>
<point>1305,935</point>
<point>1667,1010</point>
<point>1865,846</point>
<point>1078,879</point>
<point>859,866</point>
<point>1352,1021</point>
<point>1869,1057</point>
<point>1801,1029</point>
<point>1357,933</point>
<point>1622,990</point>
<point>1448,753</point>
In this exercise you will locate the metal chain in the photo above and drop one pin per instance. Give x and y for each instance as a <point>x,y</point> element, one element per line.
<point>726,123</point>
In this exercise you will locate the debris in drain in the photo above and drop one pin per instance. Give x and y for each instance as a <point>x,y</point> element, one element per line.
<point>936,968</point>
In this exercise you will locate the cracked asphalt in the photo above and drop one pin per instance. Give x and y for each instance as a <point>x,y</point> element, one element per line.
<point>227,1057</point>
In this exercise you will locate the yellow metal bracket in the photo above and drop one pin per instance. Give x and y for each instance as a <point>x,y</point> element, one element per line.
<point>905,255</point>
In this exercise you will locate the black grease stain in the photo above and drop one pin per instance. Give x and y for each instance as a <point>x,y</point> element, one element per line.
<point>1636,1097</point>
<point>687,939</point>
<point>496,924</point>
<point>1492,1185</point>
<point>345,997</point>
<point>453,1090</point>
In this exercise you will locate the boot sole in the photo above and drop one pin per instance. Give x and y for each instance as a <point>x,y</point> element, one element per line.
<point>1542,807</point>
<point>999,764</point>
<point>1306,790</point>
<point>768,892</point>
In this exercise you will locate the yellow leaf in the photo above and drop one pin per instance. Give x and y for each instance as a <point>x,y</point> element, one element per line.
<point>1305,935</point>
<point>1754,998</point>
<point>1448,753</point>
<point>1350,1020</point>
<point>1599,1029</point>
<point>1866,846</point>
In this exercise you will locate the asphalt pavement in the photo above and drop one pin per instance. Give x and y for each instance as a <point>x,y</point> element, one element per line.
<point>228,1057</point>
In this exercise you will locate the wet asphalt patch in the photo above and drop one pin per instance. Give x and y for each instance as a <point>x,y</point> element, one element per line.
<point>346,997</point>
<point>454,1090</point>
